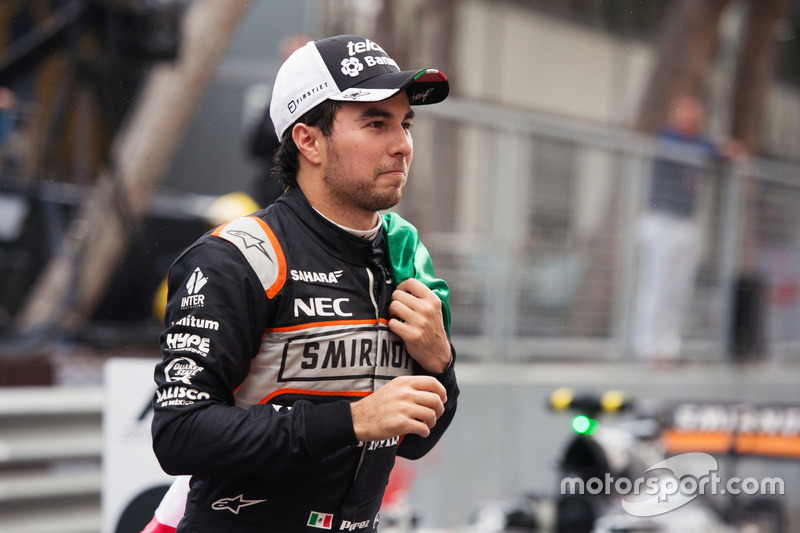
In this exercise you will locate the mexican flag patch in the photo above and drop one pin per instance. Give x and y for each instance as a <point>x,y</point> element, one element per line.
<point>320,520</point>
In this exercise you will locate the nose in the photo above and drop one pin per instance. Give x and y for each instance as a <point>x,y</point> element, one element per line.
<point>402,143</point>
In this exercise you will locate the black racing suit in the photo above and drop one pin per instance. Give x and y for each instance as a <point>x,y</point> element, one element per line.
<point>275,322</point>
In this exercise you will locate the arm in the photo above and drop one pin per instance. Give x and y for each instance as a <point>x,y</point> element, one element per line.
<point>213,331</point>
<point>419,408</point>
<point>416,446</point>
<point>422,323</point>
<point>411,404</point>
<point>417,319</point>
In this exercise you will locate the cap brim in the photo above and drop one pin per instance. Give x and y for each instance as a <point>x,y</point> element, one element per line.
<point>426,86</point>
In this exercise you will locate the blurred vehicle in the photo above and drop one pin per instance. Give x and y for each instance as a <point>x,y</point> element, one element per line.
<point>598,456</point>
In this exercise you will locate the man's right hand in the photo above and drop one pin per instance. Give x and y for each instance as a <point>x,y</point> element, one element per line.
<point>407,404</point>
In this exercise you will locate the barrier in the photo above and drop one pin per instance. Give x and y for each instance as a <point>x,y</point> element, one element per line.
<point>50,453</point>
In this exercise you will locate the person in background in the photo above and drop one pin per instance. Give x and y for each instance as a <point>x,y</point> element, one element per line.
<point>307,345</point>
<point>669,238</point>
<point>8,123</point>
<point>262,142</point>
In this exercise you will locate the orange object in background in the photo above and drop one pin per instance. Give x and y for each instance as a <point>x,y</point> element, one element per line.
<point>772,431</point>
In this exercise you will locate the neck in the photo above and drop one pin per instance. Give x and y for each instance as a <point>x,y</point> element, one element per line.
<point>364,234</point>
<point>347,216</point>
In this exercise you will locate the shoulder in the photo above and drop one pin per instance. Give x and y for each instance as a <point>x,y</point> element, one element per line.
<point>257,243</point>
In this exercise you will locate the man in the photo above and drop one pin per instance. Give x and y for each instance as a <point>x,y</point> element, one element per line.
<point>298,360</point>
<point>669,238</point>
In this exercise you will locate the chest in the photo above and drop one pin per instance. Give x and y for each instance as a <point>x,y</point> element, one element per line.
<point>328,332</point>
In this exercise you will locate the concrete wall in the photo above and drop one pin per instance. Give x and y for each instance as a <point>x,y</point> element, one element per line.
<point>520,57</point>
<point>503,441</point>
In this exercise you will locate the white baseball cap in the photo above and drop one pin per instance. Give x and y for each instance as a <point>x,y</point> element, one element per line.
<point>346,68</point>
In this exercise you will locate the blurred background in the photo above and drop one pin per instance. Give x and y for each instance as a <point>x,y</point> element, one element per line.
<point>130,127</point>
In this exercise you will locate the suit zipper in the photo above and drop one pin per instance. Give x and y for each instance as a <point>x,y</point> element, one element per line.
<point>372,283</point>
<point>372,297</point>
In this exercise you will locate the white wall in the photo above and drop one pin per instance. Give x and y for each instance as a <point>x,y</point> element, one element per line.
<point>520,57</point>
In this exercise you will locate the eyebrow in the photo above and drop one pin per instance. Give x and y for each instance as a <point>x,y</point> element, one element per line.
<point>375,112</point>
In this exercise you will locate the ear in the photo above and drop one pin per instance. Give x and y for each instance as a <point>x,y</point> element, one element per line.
<point>307,138</point>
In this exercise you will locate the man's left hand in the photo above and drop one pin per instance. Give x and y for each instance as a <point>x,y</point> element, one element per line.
<point>417,313</point>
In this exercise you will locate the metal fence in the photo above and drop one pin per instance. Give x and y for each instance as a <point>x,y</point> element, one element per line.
<point>50,446</point>
<point>532,220</point>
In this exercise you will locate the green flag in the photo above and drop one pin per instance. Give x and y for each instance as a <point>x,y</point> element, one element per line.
<point>410,259</point>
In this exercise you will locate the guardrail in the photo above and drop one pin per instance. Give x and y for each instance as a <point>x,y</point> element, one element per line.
<point>533,220</point>
<point>51,443</point>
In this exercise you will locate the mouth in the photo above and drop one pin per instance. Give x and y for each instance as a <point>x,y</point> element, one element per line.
<point>395,173</point>
<point>393,179</point>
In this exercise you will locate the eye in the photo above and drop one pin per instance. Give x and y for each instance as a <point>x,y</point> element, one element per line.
<point>377,124</point>
<point>408,125</point>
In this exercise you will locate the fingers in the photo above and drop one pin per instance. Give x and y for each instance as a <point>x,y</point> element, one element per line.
<point>417,319</point>
<point>407,404</point>
<point>416,296</point>
<point>427,405</point>
<point>424,397</point>
<point>424,383</point>
<point>414,303</point>
<point>413,286</point>
<point>419,417</point>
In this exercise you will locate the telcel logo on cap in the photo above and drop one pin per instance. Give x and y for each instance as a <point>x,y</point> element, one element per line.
<point>351,66</point>
<point>363,46</point>
<point>346,68</point>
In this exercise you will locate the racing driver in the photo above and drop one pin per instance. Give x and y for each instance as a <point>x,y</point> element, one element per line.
<point>307,345</point>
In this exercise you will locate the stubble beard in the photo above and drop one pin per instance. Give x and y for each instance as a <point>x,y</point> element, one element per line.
<point>357,193</point>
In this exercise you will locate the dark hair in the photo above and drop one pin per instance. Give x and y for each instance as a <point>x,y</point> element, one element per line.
<point>285,162</point>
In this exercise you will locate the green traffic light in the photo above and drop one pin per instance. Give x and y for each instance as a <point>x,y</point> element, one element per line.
<point>583,424</point>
